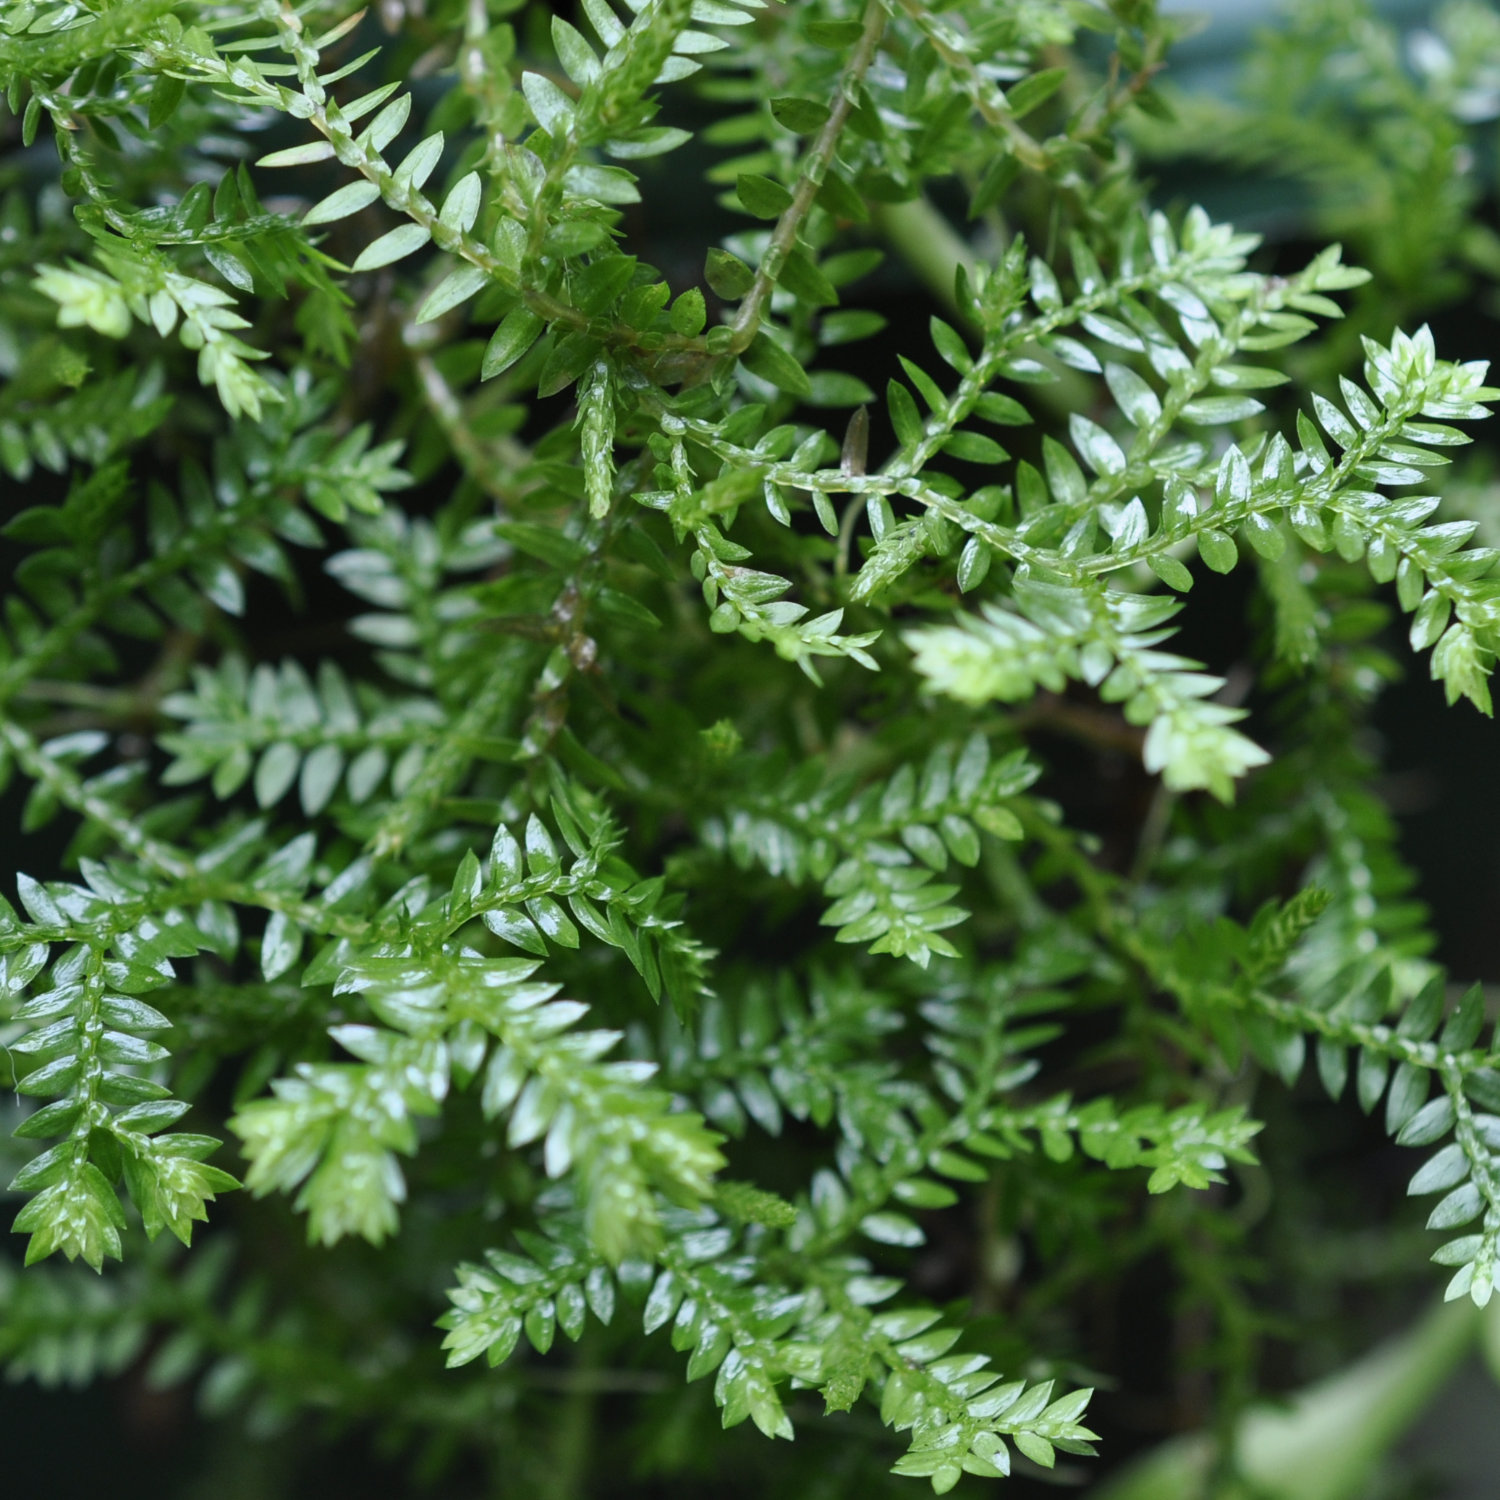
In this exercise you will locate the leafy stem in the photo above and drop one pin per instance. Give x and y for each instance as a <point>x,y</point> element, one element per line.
<point>810,178</point>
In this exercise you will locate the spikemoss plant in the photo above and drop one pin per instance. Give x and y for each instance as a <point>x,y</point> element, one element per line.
<point>651,908</point>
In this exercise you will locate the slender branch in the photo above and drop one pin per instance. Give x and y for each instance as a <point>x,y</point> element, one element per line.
<point>988,99</point>
<point>454,754</point>
<point>324,115</point>
<point>96,602</point>
<point>69,789</point>
<point>1466,1133</point>
<point>814,168</point>
<point>489,466</point>
<point>159,856</point>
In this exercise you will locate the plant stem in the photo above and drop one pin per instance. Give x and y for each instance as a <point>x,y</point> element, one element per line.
<point>814,169</point>
<point>567,1477</point>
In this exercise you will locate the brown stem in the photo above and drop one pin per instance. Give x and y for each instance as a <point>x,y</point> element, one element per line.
<point>1093,726</point>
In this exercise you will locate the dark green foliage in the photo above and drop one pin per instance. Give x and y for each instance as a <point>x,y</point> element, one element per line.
<point>640,671</point>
